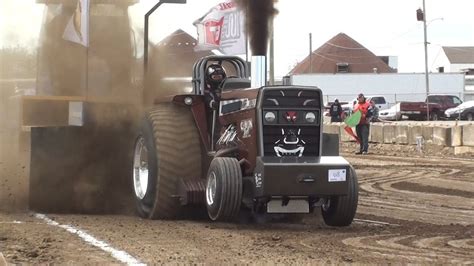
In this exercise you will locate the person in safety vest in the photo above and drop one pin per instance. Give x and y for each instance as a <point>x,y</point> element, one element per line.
<point>362,129</point>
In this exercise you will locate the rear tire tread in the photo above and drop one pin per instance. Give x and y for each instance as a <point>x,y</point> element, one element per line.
<point>178,155</point>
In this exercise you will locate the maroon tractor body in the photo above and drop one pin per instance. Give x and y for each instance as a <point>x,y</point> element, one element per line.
<point>256,149</point>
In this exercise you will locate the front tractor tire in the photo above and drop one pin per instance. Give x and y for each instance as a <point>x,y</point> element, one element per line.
<point>340,210</point>
<point>224,189</point>
<point>167,148</point>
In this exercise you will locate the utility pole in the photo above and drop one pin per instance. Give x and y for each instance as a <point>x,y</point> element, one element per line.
<point>310,53</point>
<point>421,15</point>
<point>272,55</point>
<point>147,16</point>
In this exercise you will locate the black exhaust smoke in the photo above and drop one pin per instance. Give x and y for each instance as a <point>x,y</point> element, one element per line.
<point>258,14</point>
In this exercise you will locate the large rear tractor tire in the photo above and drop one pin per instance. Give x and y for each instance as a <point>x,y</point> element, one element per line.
<point>167,148</point>
<point>340,210</point>
<point>224,189</point>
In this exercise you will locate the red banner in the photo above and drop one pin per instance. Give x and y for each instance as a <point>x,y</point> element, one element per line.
<point>222,28</point>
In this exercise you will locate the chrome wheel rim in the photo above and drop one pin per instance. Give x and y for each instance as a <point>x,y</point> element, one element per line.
<point>140,168</point>
<point>211,188</point>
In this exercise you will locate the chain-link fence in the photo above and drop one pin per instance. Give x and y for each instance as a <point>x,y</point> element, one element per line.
<point>390,98</point>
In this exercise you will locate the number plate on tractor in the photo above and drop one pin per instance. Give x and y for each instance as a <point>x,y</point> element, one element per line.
<point>293,206</point>
<point>337,175</point>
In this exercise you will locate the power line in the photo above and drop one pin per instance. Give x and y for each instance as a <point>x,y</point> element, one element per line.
<point>344,47</point>
<point>346,56</point>
<point>436,57</point>
<point>338,61</point>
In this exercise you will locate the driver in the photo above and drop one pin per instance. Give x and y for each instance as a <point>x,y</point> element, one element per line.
<point>215,74</point>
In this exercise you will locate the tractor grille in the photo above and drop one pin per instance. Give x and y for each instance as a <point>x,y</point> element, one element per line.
<point>290,133</point>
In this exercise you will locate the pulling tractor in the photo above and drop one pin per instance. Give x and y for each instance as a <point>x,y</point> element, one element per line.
<point>257,148</point>
<point>261,149</point>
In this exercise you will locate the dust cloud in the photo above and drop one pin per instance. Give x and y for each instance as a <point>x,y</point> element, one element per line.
<point>72,169</point>
<point>88,168</point>
<point>14,147</point>
<point>17,72</point>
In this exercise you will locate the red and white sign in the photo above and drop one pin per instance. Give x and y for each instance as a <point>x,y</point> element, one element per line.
<point>213,32</point>
<point>222,28</point>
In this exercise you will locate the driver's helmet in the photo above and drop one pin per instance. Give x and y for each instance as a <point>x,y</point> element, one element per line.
<point>215,74</point>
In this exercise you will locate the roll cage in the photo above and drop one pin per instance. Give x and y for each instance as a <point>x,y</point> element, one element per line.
<point>236,68</point>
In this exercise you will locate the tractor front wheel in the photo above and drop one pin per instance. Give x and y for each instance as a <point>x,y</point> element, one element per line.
<point>340,210</point>
<point>224,189</point>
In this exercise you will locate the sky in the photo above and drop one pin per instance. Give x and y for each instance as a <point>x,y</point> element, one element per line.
<point>385,27</point>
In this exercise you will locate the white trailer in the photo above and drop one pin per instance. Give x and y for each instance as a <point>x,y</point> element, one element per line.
<point>394,86</point>
<point>469,89</point>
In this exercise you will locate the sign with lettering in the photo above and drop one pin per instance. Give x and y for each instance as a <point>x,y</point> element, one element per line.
<point>222,28</point>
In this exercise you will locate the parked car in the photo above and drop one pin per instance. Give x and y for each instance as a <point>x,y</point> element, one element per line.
<point>379,101</point>
<point>464,111</point>
<point>437,105</point>
<point>391,114</point>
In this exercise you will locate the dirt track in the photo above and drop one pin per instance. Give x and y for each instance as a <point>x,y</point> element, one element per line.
<point>411,210</point>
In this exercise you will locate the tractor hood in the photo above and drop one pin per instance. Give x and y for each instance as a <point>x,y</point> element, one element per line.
<point>238,100</point>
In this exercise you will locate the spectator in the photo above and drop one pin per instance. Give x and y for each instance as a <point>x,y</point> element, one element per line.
<point>336,111</point>
<point>373,112</point>
<point>362,129</point>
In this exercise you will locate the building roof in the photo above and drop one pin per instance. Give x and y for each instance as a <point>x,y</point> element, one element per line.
<point>175,54</point>
<point>341,49</point>
<point>460,54</point>
<point>179,39</point>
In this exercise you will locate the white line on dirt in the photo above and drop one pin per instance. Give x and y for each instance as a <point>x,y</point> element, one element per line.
<point>120,255</point>
<point>3,261</point>
<point>373,222</point>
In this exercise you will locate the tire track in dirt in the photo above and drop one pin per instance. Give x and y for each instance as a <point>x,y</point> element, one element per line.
<point>439,244</point>
<point>386,186</point>
<point>381,197</point>
<point>452,184</point>
<point>414,248</point>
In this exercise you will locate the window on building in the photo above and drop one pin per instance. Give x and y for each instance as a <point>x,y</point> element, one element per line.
<point>342,67</point>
